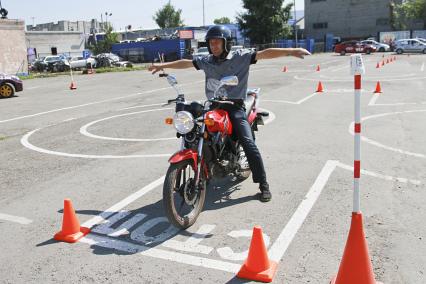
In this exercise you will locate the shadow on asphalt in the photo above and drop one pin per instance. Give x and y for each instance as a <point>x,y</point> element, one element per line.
<point>219,195</point>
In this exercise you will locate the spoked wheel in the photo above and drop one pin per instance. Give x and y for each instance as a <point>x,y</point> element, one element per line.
<point>6,91</point>
<point>182,201</point>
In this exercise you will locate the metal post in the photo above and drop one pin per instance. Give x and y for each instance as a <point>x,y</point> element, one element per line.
<point>204,17</point>
<point>357,68</point>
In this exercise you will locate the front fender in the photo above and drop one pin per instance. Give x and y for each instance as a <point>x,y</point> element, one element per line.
<point>187,154</point>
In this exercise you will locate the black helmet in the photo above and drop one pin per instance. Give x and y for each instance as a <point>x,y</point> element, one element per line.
<point>223,32</point>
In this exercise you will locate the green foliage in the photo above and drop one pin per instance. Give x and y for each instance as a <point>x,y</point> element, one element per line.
<point>221,21</point>
<point>168,17</point>
<point>105,45</point>
<point>408,10</point>
<point>265,20</point>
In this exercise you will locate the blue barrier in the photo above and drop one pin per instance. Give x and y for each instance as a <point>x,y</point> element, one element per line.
<point>308,44</point>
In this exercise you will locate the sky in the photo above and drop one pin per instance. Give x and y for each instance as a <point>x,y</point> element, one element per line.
<point>124,12</point>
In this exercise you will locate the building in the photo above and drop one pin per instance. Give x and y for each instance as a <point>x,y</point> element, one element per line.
<point>52,43</point>
<point>13,52</point>
<point>348,19</point>
<point>85,27</point>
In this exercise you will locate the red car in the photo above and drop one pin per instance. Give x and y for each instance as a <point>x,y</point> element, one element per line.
<point>9,84</point>
<point>354,47</point>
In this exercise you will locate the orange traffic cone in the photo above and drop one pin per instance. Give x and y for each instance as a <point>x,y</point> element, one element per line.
<point>383,63</point>
<point>257,266</point>
<point>355,267</point>
<point>387,61</point>
<point>394,58</point>
<point>378,65</point>
<point>71,230</point>
<point>320,89</point>
<point>73,85</point>
<point>285,69</point>
<point>378,89</point>
<point>318,68</point>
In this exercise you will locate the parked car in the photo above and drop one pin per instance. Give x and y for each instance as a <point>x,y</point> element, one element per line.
<point>9,85</point>
<point>422,39</point>
<point>111,59</point>
<point>200,52</point>
<point>382,47</point>
<point>353,47</point>
<point>80,62</point>
<point>410,45</point>
<point>53,63</point>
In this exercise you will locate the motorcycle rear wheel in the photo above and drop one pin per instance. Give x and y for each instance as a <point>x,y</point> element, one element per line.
<point>182,202</point>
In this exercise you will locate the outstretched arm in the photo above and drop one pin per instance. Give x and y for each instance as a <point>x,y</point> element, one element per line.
<point>178,64</point>
<point>279,52</point>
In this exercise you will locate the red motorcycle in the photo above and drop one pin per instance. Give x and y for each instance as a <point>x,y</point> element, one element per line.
<point>208,149</point>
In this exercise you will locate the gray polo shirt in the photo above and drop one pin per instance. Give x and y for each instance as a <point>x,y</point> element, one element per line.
<point>236,65</point>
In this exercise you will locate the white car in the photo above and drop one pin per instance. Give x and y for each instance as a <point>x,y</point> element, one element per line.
<point>381,47</point>
<point>410,45</point>
<point>80,62</point>
<point>202,51</point>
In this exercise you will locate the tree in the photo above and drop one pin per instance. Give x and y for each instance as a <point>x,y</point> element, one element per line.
<point>168,17</point>
<point>105,45</point>
<point>409,10</point>
<point>265,20</point>
<point>221,21</point>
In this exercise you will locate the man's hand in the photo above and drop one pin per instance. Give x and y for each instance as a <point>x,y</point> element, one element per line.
<point>300,52</point>
<point>155,68</point>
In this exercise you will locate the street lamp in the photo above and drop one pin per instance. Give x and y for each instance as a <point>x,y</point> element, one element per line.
<point>106,17</point>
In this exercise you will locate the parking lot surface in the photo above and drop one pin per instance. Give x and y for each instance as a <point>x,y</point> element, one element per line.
<point>105,146</point>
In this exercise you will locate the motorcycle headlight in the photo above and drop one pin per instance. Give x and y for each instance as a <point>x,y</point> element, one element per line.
<point>183,122</point>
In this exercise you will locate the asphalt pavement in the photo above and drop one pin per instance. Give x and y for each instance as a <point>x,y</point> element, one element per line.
<point>105,146</point>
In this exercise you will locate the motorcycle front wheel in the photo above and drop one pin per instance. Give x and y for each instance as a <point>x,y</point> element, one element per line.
<point>181,200</point>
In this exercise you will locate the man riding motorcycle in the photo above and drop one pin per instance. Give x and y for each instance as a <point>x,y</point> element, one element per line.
<point>220,63</point>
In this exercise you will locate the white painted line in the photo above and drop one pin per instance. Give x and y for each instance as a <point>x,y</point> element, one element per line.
<point>372,142</point>
<point>376,175</point>
<point>305,99</point>
<point>423,67</point>
<point>370,79</point>
<point>279,101</point>
<point>120,205</point>
<point>15,219</point>
<point>25,142</point>
<point>192,243</point>
<point>85,132</point>
<point>93,103</point>
<point>293,103</point>
<point>397,104</point>
<point>159,253</point>
<point>32,88</point>
<point>69,119</point>
<point>276,251</point>
<point>270,118</point>
<point>373,100</point>
<point>126,108</point>
<point>280,246</point>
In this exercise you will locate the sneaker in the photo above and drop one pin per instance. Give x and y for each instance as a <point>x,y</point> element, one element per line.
<point>265,194</point>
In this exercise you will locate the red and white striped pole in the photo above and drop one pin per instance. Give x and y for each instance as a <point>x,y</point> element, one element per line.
<point>355,266</point>
<point>357,69</point>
